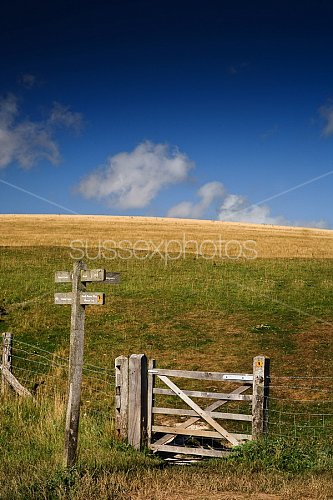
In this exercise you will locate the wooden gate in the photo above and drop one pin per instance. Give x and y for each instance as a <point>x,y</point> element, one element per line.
<point>200,429</point>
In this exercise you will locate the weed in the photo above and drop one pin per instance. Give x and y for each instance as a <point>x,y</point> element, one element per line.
<point>287,455</point>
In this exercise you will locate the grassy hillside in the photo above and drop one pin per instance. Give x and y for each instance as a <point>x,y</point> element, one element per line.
<point>60,230</point>
<point>193,311</point>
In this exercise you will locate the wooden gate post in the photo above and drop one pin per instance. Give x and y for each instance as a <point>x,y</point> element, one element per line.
<point>137,401</point>
<point>121,399</point>
<point>150,400</point>
<point>7,348</point>
<point>260,396</point>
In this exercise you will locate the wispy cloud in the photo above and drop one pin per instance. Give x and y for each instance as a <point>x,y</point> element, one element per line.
<point>63,116</point>
<point>271,132</point>
<point>132,180</point>
<point>25,141</point>
<point>227,206</point>
<point>326,112</point>
<point>232,207</point>
<point>236,208</point>
<point>208,194</point>
<point>235,69</point>
<point>28,80</point>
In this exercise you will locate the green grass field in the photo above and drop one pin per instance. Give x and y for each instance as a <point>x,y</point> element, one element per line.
<point>194,314</point>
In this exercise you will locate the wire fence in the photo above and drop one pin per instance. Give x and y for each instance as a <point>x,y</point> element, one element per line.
<point>298,406</point>
<point>45,373</point>
<point>301,407</point>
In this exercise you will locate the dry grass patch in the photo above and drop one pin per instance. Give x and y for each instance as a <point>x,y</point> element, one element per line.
<point>60,230</point>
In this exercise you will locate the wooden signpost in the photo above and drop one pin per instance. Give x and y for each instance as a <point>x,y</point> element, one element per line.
<point>78,298</point>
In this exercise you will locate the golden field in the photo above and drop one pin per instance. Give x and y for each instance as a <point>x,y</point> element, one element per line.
<point>60,230</point>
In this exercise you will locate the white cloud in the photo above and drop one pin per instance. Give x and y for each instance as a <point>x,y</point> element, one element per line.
<point>237,208</point>
<point>132,180</point>
<point>234,208</point>
<point>208,193</point>
<point>326,113</point>
<point>25,141</point>
<point>183,210</point>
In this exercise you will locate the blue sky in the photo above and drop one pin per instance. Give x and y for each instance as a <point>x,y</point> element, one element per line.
<point>185,109</point>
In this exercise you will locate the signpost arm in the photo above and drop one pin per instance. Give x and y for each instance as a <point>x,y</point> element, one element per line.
<point>75,366</point>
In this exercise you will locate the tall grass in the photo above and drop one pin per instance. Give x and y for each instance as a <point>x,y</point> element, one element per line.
<point>31,440</point>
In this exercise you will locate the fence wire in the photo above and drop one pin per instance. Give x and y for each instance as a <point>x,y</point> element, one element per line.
<point>300,406</point>
<point>45,373</point>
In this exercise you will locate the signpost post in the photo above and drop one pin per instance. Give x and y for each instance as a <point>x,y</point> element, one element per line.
<point>78,298</point>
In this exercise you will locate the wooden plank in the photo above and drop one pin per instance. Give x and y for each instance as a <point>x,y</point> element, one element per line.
<point>63,276</point>
<point>7,352</point>
<point>260,396</point>
<point>63,298</point>
<point>75,366</point>
<point>203,414</point>
<point>203,452</point>
<point>202,433</point>
<point>192,413</point>
<point>121,399</point>
<point>229,377</point>
<point>92,298</point>
<point>150,400</point>
<point>193,420</point>
<point>207,395</point>
<point>112,278</point>
<point>242,437</point>
<point>14,383</point>
<point>93,275</point>
<point>186,432</point>
<point>196,432</point>
<point>86,298</point>
<point>137,401</point>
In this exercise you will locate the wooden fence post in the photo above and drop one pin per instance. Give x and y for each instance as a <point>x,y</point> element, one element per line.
<point>7,348</point>
<point>137,401</point>
<point>260,396</point>
<point>121,399</point>
<point>75,366</point>
<point>150,401</point>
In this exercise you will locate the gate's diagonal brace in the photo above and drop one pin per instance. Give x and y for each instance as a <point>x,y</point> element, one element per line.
<point>184,425</point>
<point>202,413</point>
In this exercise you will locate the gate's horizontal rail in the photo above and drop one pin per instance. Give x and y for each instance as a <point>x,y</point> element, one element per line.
<point>207,395</point>
<point>197,432</point>
<point>192,413</point>
<point>226,377</point>
<point>190,451</point>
